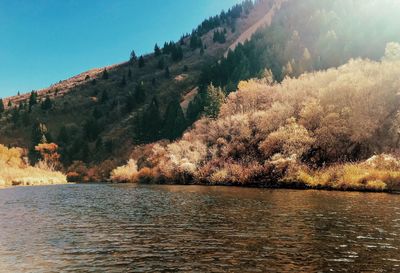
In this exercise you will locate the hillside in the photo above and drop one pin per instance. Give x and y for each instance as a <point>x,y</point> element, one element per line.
<point>335,129</point>
<point>97,115</point>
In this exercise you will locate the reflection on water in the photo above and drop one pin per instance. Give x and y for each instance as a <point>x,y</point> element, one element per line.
<point>120,228</point>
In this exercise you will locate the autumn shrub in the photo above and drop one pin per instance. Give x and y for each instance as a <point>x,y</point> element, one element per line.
<point>305,130</point>
<point>15,170</point>
<point>126,173</point>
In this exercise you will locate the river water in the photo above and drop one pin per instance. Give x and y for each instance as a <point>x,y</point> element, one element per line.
<point>135,228</point>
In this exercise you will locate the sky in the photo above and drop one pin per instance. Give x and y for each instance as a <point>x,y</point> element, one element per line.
<point>45,41</point>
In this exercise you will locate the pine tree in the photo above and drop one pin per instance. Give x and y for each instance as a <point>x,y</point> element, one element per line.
<point>26,120</point>
<point>133,56</point>
<point>129,73</point>
<point>213,101</point>
<point>141,62</point>
<point>2,109</point>
<point>161,63</point>
<point>151,122</point>
<point>39,135</point>
<point>105,74</point>
<point>91,129</point>
<point>176,53</point>
<point>47,104</point>
<point>104,97</point>
<point>174,121</point>
<point>157,51</point>
<point>167,73</point>
<point>140,93</point>
<point>123,81</point>
<point>63,136</point>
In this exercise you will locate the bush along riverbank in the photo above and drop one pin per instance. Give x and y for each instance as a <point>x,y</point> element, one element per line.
<point>335,129</point>
<point>15,171</point>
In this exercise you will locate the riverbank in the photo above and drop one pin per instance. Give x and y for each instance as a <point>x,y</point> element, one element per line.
<point>15,171</point>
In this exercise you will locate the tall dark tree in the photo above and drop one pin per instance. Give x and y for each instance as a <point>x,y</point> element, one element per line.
<point>174,121</point>
<point>91,129</point>
<point>140,93</point>
<point>32,100</point>
<point>39,134</point>
<point>161,63</point>
<point>47,104</point>
<point>63,136</point>
<point>150,123</point>
<point>123,81</point>
<point>104,97</point>
<point>133,56</point>
<point>141,62</point>
<point>1,106</point>
<point>167,73</point>
<point>105,74</point>
<point>157,51</point>
<point>177,53</point>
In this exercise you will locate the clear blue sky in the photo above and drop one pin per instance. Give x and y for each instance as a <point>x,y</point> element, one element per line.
<point>44,41</point>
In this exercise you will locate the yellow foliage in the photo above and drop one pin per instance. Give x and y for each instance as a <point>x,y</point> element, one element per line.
<point>15,171</point>
<point>297,131</point>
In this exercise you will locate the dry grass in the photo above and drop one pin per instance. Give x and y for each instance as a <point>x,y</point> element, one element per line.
<point>29,176</point>
<point>350,176</point>
<point>15,172</point>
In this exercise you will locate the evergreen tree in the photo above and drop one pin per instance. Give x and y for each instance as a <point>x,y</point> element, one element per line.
<point>104,97</point>
<point>99,144</point>
<point>129,73</point>
<point>213,101</point>
<point>85,156</point>
<point>105,74</point>
<point>63,137</point>
<point>97,113</point>
<point>133,56</point>
<point>157,51</point>
<point>195,108</point>
<point>161,63</point>
<point>32,100</point>
<point>174,121</point>
<point>167,73</point>
<point>26,118</point>
<point>140,93</point>
<point>15,116</point>
<point>47,104</point>
<point>91,129</point>
<point>39,135</point>
<point>141,62</point>
<point>2,109</point>
<point>123,81</point>
<point>176,53</point>
<point>150,124</point>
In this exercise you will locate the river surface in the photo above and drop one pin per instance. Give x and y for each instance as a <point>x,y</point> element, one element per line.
<point>129,228</point>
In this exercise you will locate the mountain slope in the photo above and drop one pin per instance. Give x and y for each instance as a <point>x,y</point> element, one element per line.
<point>101,114</point>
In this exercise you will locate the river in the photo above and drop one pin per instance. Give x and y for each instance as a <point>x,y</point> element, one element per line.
<point>138,228</point>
